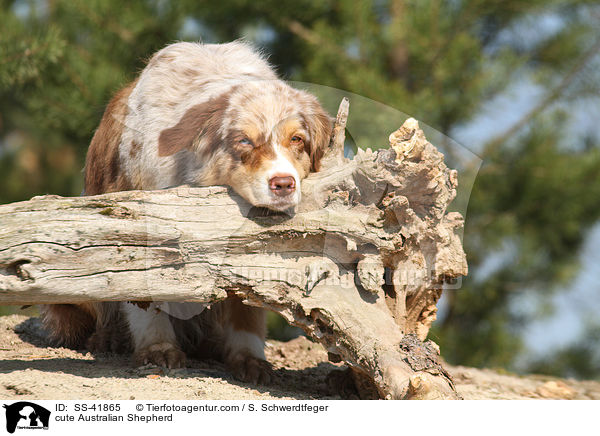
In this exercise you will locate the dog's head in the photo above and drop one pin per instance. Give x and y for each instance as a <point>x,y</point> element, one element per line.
<point>261,138</point>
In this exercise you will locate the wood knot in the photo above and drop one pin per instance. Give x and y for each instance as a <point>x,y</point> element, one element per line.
<point>18,269</point>
<point>117,212</point>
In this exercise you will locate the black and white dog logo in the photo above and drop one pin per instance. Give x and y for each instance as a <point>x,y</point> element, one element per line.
<point>26,415</point>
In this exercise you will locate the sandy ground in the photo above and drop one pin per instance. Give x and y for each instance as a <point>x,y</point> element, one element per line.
<point>29,369</point>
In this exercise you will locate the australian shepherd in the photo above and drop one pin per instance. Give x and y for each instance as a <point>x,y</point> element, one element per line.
<point>198,114</point>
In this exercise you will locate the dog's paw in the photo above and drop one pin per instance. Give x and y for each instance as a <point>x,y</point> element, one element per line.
<point>162,354</point>
<point>250,369</point>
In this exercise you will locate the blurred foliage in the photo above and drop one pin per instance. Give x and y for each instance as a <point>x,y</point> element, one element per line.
<point>578,360</point>
<point>439,61</point>
<point>279,329</point>
<point>21,310</point>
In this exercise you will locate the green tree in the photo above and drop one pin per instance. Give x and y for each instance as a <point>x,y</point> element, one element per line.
<point>439,61</point>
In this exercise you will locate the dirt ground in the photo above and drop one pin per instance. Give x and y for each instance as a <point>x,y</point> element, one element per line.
<point>29,369</point>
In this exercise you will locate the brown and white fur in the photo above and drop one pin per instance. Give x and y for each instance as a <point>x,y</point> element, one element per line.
<point>199,114</point>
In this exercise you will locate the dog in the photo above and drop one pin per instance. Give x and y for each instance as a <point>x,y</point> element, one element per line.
<point>198,114</point>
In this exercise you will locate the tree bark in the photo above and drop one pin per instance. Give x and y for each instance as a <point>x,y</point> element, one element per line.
<point>359,266</point>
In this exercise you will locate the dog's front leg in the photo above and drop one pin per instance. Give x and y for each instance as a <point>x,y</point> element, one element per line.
<point>153,337</point>
<point>245,330</point>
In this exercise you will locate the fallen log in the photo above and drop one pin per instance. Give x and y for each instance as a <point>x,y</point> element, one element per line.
<point>359,266</point>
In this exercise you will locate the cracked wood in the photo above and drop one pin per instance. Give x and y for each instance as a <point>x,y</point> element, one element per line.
<point>359,267</point>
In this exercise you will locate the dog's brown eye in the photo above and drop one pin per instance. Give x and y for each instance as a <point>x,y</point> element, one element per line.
<point>296,140</point>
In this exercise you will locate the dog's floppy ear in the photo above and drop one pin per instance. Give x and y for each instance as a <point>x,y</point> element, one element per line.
<point>320,126</point>
<point>204,118</point>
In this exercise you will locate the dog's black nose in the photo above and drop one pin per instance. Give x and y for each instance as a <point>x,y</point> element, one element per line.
<point>282,185</point>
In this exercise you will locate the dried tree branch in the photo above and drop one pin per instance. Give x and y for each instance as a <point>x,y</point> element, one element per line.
<point>359,267</point>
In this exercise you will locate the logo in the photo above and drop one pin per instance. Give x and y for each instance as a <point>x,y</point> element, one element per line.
<point>26,415</point>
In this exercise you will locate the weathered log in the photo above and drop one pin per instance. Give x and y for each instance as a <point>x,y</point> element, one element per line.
<point>359,266</point>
